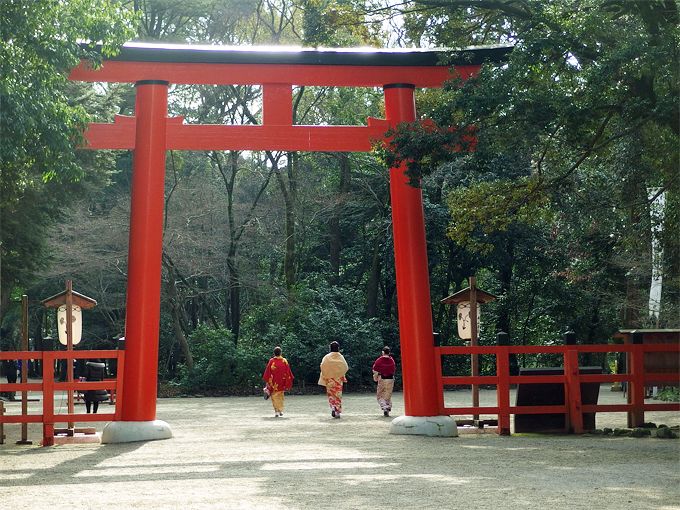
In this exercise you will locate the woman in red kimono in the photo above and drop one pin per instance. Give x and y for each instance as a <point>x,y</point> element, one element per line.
<point>279,379</point>
<point>383,373</point>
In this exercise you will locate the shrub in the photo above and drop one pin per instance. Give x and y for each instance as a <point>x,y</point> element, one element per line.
<point>219,365</point>
<point>669,394</point>
<point>305,323</point>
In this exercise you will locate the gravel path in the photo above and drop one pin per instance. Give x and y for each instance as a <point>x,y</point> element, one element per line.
<point>231,453</point>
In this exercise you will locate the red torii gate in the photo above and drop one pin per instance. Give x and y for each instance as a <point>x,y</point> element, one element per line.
<point>150,133</point>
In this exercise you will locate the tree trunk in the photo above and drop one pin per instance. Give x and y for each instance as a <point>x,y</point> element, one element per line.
<point>177,311</point>
<point>505,273</point>
<point>639,248</point>
<point>373,286</point>
<point>389,290</point>
<point>335,241</point>
<point>288,192</point>
<point>670,291</point>
<point>442,319</point>
<point>229,173</point>
<point>234,294</point>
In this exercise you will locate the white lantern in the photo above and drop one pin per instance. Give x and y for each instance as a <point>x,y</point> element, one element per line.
<point>76,324</point>
<point>464,322</point>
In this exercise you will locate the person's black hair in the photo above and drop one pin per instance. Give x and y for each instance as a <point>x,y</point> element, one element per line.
<point>386,350</point>
<point>335,347</point>
<point>277,351</point>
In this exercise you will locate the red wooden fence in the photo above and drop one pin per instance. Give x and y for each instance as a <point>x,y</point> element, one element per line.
<point>636,377</point>
<point>48,386</point>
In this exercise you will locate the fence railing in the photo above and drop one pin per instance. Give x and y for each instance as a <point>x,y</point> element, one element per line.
<point>636,377</point>
<point>48,387</point>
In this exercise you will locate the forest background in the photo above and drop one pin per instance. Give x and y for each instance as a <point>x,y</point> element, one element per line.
<point>568,210</point>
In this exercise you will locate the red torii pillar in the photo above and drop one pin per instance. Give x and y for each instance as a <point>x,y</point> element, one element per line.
<point>145,249</point>
<point>412,273</point>
<point>422,395</point>
<point>142,320</point>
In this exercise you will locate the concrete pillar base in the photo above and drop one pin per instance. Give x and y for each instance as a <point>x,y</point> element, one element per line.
<point>130,431</point>
<point>443,426</point>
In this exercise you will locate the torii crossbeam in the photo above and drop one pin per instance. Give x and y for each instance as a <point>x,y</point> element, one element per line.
<point>150,133</point>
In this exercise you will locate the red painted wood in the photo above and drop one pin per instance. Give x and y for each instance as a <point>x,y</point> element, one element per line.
<point>21,387</point>
<point>661,378</point>
<point>572,391</point>
<point>48,398</point>
<point>277,104</point>
<point>121,135</point>
<point>636,417</point>
<point>572,380</point>
<point>413,286</point>
<point>258,74</point>
<point>606,408</point>
<point>19,355</point>
<point>144,260</point>
<point>601,378</point>
<point>503,389</point>
<point>84,417</point>
<point>537,379</point>
<point>468,380</point>
<point>18,418</point>
<point>667,406</point>
<point>120,379</point>
<point>558,349</point>
<point>284,138</point>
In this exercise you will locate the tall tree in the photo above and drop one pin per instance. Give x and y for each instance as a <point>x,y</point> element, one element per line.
<point>590,91</point>
<point>41,124</point>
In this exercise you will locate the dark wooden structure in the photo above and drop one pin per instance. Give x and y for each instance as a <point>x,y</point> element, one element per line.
<point>547,394</point>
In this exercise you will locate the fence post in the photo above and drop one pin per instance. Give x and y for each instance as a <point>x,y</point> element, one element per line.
<point>569,338</point>
<point>503,383</point>
<point>120,363</point>
<point>636,416</point>
<point>48,399</point>
<point>572,387</point>
<point>24,369</point>
<point>2,423</point>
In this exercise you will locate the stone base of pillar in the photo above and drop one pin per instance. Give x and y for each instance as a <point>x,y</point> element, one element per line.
<point>443,426</point>
<point>131,431</point>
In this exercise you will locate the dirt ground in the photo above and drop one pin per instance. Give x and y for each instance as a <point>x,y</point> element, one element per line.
<point>231,453</point>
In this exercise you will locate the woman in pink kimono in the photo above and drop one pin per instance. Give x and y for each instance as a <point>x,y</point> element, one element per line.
<point>279,379</point>
<point>333,370</point>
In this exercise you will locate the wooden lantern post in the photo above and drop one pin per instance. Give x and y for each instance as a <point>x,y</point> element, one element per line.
<point>70,299</point>
<point>475,297</point>
<point>24,369</point>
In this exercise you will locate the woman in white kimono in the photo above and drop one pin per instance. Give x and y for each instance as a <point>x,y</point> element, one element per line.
<point>333,370</point>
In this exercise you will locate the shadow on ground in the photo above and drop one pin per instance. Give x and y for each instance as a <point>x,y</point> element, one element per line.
<point>232,453</point>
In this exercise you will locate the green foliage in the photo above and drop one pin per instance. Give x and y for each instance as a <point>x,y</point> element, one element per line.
<point>305,325</point>
<point>335,23</point>
<point>486,208</point>
<point>564,157</point>
<point>41,125</point>
<point>669,394</point>
<point>548,204</point>
<point>220,366</point>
